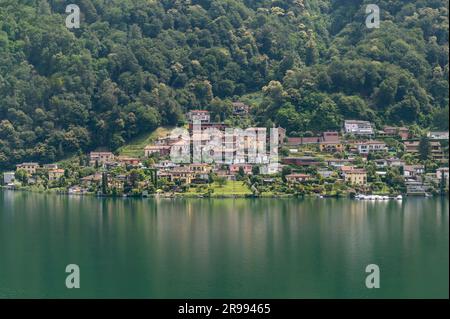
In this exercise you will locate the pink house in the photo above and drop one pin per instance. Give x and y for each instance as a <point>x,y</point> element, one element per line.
<point>234,168</point>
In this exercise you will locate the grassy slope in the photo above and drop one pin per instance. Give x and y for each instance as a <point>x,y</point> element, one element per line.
<point>135,147</point>
<point>231,188</point>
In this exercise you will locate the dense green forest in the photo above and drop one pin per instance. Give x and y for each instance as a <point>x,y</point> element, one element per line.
<point>134,65</point>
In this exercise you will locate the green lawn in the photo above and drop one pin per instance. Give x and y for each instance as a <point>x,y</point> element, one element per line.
<point>135,148</point>
<point>231,188</point>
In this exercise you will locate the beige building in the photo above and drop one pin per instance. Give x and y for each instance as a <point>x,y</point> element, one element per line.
<point>55,174</point>
<point>101,157</point>
<point>356,177</point>
<point>30,168</point>
<point>182,175</point>
<point>437,152</point>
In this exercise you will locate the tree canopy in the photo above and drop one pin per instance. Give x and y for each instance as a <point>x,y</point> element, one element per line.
<point>134,65</point>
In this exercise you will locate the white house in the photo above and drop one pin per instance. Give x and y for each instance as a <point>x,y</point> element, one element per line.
<point>8,177</point>
<point>199,115</point>
<point>370,146</point>
<point>268,169</point>
<point>438,135</point>
<point>395,162</point>
<point>411,171</point>
<point>357,127</point>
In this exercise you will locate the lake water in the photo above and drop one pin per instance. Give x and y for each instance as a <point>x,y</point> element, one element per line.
<point>222,248</point>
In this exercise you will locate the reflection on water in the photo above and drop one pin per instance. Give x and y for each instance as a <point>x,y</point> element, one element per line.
<point>267,248</point>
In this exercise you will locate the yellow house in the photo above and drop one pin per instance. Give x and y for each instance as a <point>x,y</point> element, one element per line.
<point>55,174</point>
<point>356,177</point>
<point>331,147</point>
<point>182,175</point>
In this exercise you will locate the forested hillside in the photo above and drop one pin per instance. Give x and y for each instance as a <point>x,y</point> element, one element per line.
<point>137,64</point>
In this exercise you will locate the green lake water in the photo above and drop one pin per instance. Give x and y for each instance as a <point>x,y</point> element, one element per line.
<point>222,248</point>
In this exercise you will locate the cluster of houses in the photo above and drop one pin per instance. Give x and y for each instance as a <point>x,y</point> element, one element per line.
<point>51,170</point>
<point>358,139</point>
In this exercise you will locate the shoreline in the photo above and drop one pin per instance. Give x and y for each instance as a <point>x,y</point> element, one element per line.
<point>215,196</point>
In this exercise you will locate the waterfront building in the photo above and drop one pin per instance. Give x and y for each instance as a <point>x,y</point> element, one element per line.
<point>55,174</point>
<point>356,176</point>
<point>182,175</point>
<point>30,168</point>
<point>413,171</point>
<point>91,179</point>
<point>8,177</point>
<point>415,188</point>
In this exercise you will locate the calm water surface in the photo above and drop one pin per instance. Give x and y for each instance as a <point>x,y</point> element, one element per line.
<point>266,248</point>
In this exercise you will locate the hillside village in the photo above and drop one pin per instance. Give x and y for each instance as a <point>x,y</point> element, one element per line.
<point>360,159</point>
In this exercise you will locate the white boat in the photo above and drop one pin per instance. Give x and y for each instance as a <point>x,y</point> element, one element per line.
<point>376,197</point>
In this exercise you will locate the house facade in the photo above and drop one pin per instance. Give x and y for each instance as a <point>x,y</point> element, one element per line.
<point>412,171</point>
<point>370,146</point>
<point>100,158</point>
<point>202,116</point>
<point>356,177</point>
<point>8,177</point>
<point>438,135</point>
<point>30,168</point>
<point>55,174</point>
<point>359,128</point>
